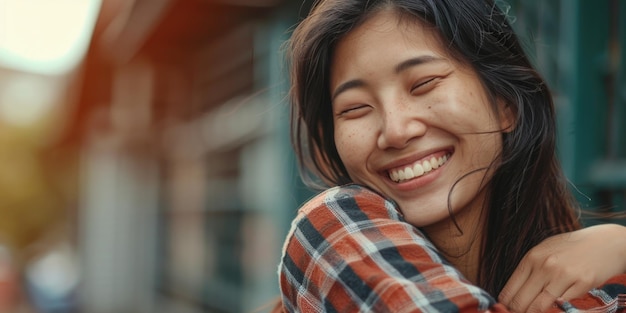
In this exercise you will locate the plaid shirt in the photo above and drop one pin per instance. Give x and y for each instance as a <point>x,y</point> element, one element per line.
<point>349,250</point>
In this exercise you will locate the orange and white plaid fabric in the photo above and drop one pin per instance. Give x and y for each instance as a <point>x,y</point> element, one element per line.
<point>349,250</point>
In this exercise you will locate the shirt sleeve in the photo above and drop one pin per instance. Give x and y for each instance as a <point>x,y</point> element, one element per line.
<point>602,299</point>
<point>349,250</point>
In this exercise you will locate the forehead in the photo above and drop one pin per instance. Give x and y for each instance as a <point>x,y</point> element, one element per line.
<point>392,20</point>
<point>386,35</point>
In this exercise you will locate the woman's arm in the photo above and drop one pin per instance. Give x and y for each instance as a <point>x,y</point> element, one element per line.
<point>349,250</point>
<point>566,266</point>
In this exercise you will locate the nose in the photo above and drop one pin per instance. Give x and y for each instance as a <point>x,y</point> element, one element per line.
<point>400,125</point>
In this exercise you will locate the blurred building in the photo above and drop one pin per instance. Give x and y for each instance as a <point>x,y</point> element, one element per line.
<point>177,180</point>
<point>161,177</point>
<point>187,180</point>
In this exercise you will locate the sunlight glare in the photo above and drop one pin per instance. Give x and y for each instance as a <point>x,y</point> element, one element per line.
<point>43,36</point>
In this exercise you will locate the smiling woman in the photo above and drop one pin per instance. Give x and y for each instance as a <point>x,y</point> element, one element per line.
<point>436,137</point>
<point>410,107</point>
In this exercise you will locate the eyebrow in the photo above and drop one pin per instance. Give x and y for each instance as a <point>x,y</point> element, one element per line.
<point>405,65</point>
<point>401,67</point>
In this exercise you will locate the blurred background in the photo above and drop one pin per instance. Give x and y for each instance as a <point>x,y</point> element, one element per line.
<point>145,163</point>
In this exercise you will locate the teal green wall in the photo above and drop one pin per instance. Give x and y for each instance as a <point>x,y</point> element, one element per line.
<point>578,45</point>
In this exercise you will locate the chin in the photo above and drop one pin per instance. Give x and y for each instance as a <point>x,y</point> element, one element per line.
<point>420,220</point>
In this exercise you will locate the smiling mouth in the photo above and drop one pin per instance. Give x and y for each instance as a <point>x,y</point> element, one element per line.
<point>417,169</point>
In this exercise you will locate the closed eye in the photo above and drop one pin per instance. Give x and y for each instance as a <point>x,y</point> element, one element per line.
<point>424,86</point>
<point>354,111</point>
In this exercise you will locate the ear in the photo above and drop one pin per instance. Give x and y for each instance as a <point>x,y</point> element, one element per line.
<point>508,116</point>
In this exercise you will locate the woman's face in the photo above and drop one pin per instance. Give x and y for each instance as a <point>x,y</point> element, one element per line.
<point>412,122</point>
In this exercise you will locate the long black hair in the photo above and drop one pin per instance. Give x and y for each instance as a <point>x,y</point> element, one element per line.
<point>529,199</point>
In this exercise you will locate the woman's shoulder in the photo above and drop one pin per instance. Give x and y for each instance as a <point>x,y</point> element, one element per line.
<point>348,204</point>
<point>344,211</point>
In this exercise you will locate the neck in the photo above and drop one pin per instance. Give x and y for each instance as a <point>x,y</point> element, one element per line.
<point>461,245</point>
<point>461,250</point>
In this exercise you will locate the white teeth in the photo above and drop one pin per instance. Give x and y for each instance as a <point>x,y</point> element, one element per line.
<point>401,175</point>
<point>427,166</point>
<point>418,169</point>
<point>408,173</point>
<point>434,163</point>
<point>394,176</point>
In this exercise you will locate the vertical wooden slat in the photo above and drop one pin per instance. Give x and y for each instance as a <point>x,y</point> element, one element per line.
<point>586,29</point>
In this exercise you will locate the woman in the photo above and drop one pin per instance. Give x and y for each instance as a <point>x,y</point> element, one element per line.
<point>429,116</point>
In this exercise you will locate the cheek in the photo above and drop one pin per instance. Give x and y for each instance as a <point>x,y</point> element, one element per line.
<point>478,107</point>
<point>465,113</point>
<point>352,143</point>
<point>344,140</point>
